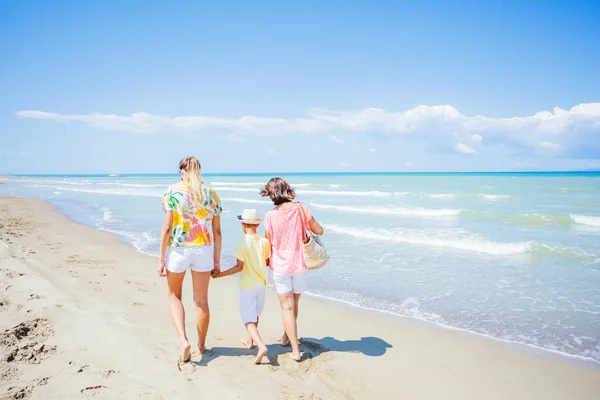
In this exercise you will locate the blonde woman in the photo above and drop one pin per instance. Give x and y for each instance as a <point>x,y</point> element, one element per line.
<point>285,227</point>
<point>190,238</point>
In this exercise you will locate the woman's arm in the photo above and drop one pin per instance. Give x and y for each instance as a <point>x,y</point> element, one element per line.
<point>218,237</point>
<point>165,232</point>
<point>315,227</point>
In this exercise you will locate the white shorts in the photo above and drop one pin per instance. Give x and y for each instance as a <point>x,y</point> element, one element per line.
<point>252,303</point>
<point>196,258</point>
<point>285,283</point>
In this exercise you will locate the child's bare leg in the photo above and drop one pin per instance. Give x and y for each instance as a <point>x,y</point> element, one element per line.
<point>249,343</point>
<point>252,328</point>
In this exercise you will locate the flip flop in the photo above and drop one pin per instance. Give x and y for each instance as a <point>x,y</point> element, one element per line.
<point>245,343</point>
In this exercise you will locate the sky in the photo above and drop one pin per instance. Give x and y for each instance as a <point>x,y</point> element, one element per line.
<point>271,86</point>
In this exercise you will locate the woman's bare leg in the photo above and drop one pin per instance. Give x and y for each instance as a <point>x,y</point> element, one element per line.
<point>200,282</point>
<point>285,341</point>
<point>289,322</point>
<point>175,283</point>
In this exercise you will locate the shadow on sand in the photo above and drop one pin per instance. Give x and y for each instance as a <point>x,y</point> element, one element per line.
<point>369,346</point>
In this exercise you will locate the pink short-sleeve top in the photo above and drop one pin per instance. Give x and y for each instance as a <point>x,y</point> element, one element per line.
<point>286,229</point>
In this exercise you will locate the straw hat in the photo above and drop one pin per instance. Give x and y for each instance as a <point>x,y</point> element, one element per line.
<point>249,217</point>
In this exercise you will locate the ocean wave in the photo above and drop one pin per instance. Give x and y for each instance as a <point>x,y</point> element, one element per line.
<point>416,237</point>
<point>401,211</point>
<point>586,220</point>
<point>469,244</point>
<point>528,219</point>
<point>248,201</point>
<point>134,185</point>
<point>257,184</point>
<point>536,219</point>
<point>118,192</point>
<point>234,189</point>
<point>370,193</point>
<point>494,197</point>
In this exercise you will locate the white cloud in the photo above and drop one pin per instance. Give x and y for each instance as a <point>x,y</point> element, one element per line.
<point>550,145</point>
<point>464,149</point>
<point>523,164</point>
<point>372,150</point>
<point>555,128</point>
<point>343,165</point>
<point>408,164</point>
<point>269,149</point>
<point>335,139</point>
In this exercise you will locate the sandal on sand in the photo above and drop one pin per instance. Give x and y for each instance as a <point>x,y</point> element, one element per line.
<point>245,343</point>
<point>294,358</point>
<point>186,356</point>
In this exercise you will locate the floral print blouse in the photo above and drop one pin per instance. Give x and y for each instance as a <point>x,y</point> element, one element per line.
<point>192,224</point>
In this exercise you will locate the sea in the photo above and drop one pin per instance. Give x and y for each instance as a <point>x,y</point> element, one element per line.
<point>512,256</point>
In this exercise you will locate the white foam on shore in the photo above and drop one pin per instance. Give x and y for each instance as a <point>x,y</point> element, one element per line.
<point>107,216</point>
<point>417,316</point>
<point>401,211</point>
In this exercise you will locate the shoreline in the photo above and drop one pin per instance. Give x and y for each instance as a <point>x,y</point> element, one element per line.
<point>103,329</point>
<point>518,346</point>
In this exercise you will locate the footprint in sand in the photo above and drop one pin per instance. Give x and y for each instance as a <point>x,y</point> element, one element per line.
<point>18,393</point>
<point>4,303</point>
<point>108,373</point>
<point>92,390</point>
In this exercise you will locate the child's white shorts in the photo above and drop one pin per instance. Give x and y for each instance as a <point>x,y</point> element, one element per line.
<point>252,303</point>
<point>285,283</point>
<point>196,258</point>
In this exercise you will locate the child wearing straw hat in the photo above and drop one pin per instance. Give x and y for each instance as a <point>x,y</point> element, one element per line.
<point>252,253</point>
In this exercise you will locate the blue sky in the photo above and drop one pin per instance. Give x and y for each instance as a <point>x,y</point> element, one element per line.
<point>113,86</point>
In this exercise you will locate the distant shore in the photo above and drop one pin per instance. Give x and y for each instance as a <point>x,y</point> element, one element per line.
<point>97,324</point>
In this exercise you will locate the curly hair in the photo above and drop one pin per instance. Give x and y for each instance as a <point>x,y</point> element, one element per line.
<point>279,191</point>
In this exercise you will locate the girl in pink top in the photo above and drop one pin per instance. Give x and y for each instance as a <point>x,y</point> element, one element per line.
<point>285,227</point>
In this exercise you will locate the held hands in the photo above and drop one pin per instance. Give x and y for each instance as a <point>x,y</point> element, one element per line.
<point>215,273</point>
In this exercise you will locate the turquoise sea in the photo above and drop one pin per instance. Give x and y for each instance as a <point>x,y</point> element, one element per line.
<point>514,256</point>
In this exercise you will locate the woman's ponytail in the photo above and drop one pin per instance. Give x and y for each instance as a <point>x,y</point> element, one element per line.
<point>192,177</point>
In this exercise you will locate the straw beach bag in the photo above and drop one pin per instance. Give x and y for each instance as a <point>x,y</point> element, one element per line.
<point>315,253</point>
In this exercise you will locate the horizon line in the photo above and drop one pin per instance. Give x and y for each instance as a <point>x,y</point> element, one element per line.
<point>113,174</point>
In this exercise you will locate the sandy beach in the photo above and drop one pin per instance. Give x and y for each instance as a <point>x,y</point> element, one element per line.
<point>85,315</point>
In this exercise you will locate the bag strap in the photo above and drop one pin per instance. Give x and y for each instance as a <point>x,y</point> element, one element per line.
<point>305,224</point>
